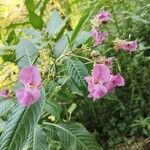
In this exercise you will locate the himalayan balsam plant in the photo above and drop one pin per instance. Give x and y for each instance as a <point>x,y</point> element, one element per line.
<point>39,117</point>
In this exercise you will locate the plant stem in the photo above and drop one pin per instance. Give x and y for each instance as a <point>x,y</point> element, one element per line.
<point>80,57</point>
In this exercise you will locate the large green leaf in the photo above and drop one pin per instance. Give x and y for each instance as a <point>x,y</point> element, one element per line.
<point>36,36</point>
<point>20,124</point>
<point>62,44</point>
<point>37,140</point>
<point>73,87</point>
<point>29,142</point>
<point>5,106</point>
<point>25,52</point>
<point>51,132</point>
<point>53,109</point>
<point>82,38</point>
<point>55,24</point>
<point>33,33</point>
<point>40,139</point>
<point>77,71</point>
<point>74,136</point>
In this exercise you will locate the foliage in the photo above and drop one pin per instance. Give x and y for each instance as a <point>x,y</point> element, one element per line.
<point>59,43</point>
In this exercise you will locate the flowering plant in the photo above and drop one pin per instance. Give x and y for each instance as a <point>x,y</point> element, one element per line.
<point>46,89</point>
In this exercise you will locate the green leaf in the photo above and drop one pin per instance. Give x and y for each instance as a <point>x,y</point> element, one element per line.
<point>51,132</point>
<point>40,139</point>
<point>61,44</point>
<point>29,142</point>
<point>71,109</point>
<point>37,140</point>
<point>20,124</point>
<point>33,33</point>
<point>82,21</point>
<point>5,106</point>
<point>25,52</point>
<point>82,38</point>
<point>73,87</point>
<point>53,109</point>
<point>55,24</point>
<point>36,36</point>
<point>35,20</point>
<point>11,37</point>
<point>2,125</point>
<point>77,71</point>
<point>74,136</point>
<point>30,5</point>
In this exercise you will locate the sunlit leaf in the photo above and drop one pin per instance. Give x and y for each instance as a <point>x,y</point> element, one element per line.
<point>25,52</point>
<point>55,24</point>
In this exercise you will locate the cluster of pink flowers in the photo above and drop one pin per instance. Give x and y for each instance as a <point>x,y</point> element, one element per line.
<point>102,18</point>
<point>99,37</point>
<point>4,93</point>
<point>102,81</point>
<point>30,77</point>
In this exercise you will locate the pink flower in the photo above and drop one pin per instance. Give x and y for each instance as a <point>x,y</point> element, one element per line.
<point>103,16</point>
<point>114,81</point>
<point>98,91</point>
<point>100,75</point>
<point>99,37</point>
<point>100,72</point>
<point>27,96</point>
<point>4,93</point>
<point>31,78</point>
<point>102,81</point>
<point>129,46</point>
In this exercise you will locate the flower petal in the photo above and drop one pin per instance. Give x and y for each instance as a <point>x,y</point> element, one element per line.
<point>30,75</point>
<point>118,80</point>
<point>99,92</point>
<point>104,16</point>
<point>99,37</point>
<point>27,97</point>
<point>100,72</point>
<point>114,80</point>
